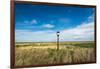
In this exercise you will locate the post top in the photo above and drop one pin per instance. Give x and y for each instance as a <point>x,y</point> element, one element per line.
<point>58,31</point>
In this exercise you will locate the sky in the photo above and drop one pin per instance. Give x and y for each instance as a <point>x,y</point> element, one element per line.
<point>39,23</point>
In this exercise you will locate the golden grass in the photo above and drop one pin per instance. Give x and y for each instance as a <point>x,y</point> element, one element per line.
<point>41,55</point>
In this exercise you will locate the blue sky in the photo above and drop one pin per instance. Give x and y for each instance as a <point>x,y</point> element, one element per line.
<point>39,23</point>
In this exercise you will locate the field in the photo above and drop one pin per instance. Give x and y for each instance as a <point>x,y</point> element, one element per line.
<point>41,53</point>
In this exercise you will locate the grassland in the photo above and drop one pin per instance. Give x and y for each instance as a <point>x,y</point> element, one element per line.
<point>41,53</point>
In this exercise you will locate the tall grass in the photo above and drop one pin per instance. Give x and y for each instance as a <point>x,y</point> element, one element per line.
<point>32,56</point>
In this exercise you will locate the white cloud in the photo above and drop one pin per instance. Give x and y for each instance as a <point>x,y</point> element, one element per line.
<point>30,22</point>
<point>82,32</point>
<point>91,18</point>
<point>27,35</point>
<point>33,21</point>
<point>48,26</point>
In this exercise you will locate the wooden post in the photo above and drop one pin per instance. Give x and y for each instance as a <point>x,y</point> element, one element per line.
<point>57,42</point>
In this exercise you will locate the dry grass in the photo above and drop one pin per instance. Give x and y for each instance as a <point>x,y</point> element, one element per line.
<point>37,55</point>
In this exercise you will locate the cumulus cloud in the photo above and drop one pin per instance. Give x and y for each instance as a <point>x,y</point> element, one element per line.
<point>48,26</point>
<point>34,21</point>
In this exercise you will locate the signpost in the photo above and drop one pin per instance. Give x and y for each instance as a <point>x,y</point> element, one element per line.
<point>58,39</point>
